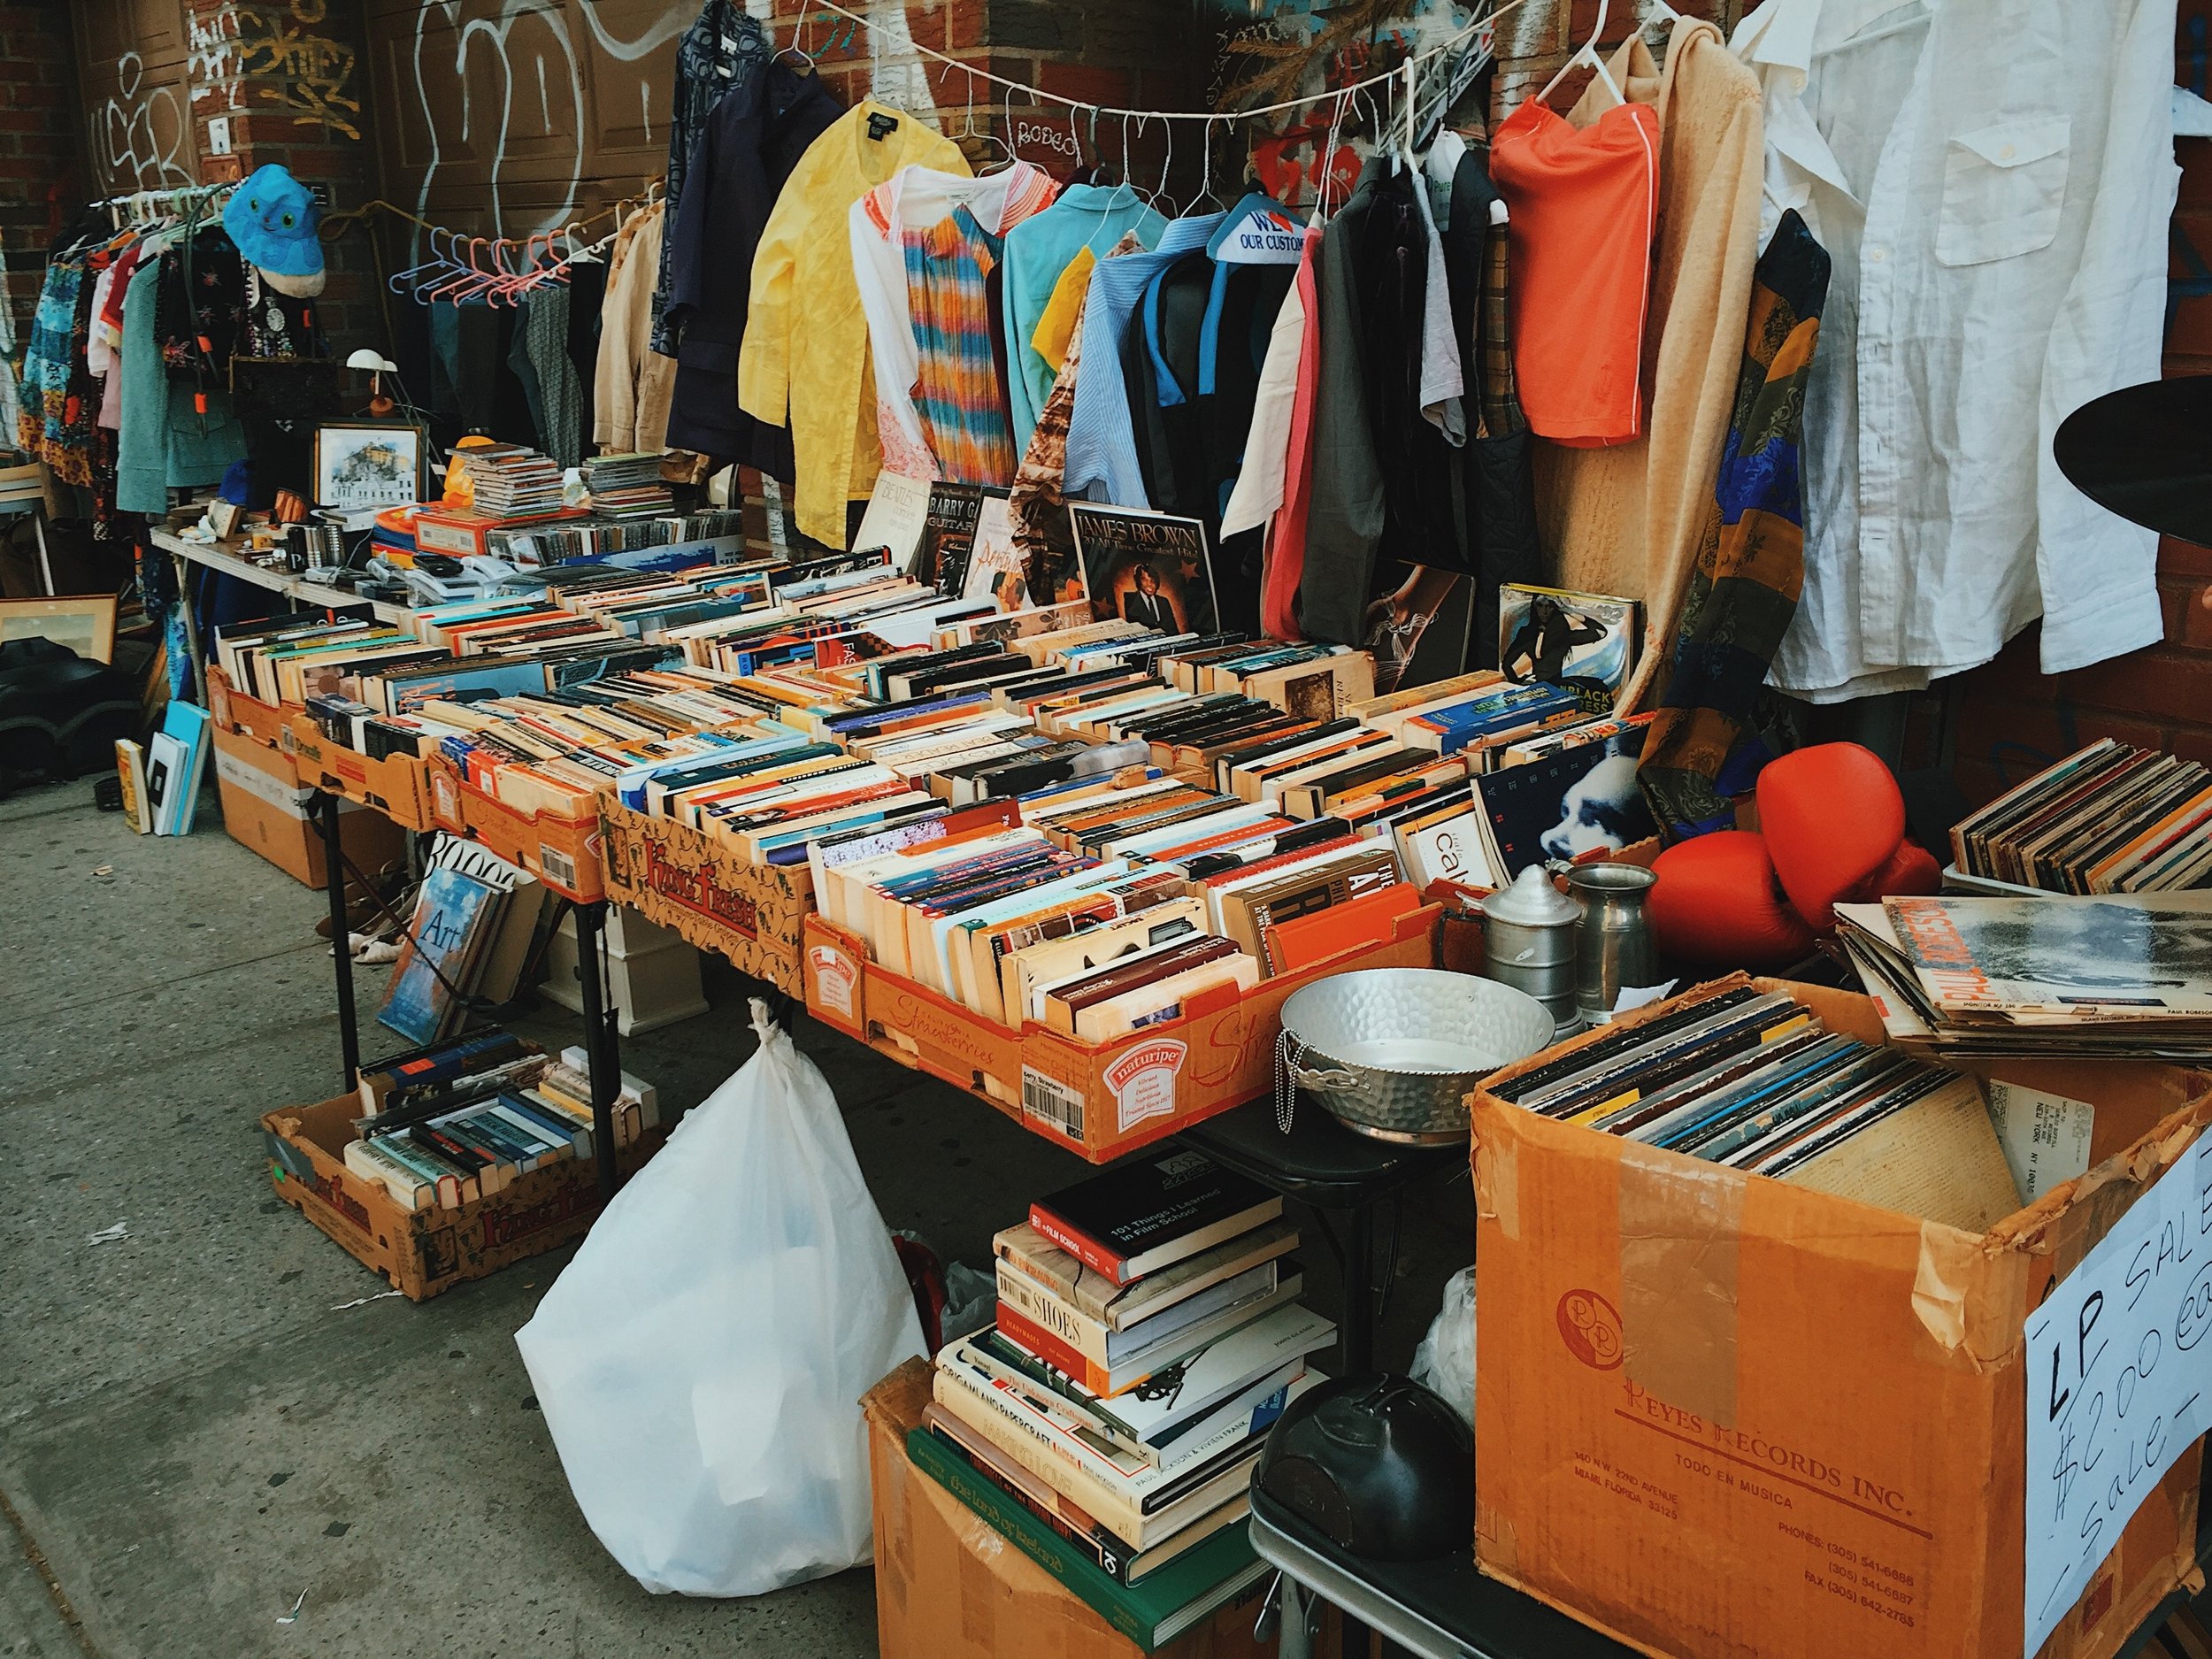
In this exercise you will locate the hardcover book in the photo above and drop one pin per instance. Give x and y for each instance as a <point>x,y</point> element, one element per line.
<point>1151,1213</point>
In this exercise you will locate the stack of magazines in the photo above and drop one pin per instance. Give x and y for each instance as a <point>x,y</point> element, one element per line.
<point>1757,1082</point>
<point>2112,818</point>
<point>512,482</point>
<point>2125,975</point>
<point>626,486</point>
<point>1149,1334</point>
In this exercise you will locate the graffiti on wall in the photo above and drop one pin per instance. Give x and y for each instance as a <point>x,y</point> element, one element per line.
<point>247,58</point>
<point>139,132</point>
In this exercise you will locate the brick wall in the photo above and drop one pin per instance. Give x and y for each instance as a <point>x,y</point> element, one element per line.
<point>41,170</point>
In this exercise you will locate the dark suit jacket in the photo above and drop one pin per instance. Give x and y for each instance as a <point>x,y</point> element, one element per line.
<point>753,139</point>
<point>1154,612</point>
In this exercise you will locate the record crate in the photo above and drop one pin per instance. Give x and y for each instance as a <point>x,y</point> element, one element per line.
<point>564,853</point>
<point>397,785</point>
<point>234,711</point>
<point>698,887</point>
<point>1721,1413</point>
<point>422,1253</point>
<point>1099,1100</point>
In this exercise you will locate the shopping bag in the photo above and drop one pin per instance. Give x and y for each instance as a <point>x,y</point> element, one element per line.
<point>701,1361</point>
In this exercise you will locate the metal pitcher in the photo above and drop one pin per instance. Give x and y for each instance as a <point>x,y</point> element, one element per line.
<point>1613,948</point>
<point>1528,939</point>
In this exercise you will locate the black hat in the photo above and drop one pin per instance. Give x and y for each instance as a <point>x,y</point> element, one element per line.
<point>2146,452</point>
<point>1380,1466</point>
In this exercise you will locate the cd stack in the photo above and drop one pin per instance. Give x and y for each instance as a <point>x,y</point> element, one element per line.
<point>514,482</point>
<point>626,486</point>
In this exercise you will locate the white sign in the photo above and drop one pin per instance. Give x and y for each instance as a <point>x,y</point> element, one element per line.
<point>2119,1383</point>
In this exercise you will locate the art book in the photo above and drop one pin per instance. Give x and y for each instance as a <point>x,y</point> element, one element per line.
<point>1149,568</point>
<point>453,916</point>
<point>1585,642</point>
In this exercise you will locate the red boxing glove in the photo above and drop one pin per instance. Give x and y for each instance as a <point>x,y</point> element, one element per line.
<point>1833,821</point>
<point>1911,870</point>
<point>1718,903</point>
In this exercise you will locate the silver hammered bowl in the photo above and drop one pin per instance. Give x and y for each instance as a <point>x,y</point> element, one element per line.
<point>1394,1052</point>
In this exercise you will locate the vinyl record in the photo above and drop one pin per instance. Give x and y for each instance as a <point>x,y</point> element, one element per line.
<point>2146,452</point>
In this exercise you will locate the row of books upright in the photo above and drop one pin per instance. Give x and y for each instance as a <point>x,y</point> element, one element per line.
<point>1149,1332</point>
<point>452,1122</point>
<point>2110,818</point>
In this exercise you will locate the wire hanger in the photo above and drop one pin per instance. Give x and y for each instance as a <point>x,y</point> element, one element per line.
<point>1206,177</point>
<point>1586,53</point>
<point>1166,166</point>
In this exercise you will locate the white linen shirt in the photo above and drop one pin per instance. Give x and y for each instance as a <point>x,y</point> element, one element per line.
<point>1993,180</point>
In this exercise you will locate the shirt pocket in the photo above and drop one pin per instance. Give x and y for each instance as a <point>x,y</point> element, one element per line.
<point>2003,188</point>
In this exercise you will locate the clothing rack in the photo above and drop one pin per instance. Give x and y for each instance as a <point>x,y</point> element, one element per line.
<point>148,204</point>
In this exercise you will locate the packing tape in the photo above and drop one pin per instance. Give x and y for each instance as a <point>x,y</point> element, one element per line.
<point>1680,1235</point>
<point>980,1592</point>
<point>1970,1296</point>
<point>1498,1183</point>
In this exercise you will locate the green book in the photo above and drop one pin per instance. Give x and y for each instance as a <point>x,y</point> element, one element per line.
<point>1153,1613</point>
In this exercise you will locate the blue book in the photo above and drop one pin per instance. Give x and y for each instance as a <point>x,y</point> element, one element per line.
<point>188,725</point>
<point>453,917</point>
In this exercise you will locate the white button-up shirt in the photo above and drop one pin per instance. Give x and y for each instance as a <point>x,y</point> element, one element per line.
<point>1993,180</point>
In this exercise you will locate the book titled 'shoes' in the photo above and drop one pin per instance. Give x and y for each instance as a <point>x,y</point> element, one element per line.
<point>1151,1213</point>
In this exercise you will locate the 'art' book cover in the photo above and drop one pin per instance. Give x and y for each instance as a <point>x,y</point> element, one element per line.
<point>451,916</point>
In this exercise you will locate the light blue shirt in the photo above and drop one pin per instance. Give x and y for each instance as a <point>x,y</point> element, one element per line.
<point>1038,252</point>
<point>1102,445</point>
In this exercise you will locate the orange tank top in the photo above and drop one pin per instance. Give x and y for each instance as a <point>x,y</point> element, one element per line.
<point>1584,204</point>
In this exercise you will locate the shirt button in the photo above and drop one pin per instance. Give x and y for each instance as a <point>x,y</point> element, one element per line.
<point>2005,153</point>
<point>1875,255</point>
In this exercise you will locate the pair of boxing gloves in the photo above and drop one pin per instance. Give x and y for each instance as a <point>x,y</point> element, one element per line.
<point>1831,832</point>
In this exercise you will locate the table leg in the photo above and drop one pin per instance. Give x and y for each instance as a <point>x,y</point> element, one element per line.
<point>341,940</point>
<point>601,1048</point>
<point>1358,1336</point>
<point>191,628</point>
<point>45,560</point>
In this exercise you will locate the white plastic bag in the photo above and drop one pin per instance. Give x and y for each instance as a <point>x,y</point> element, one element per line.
<point>701,1361</point>
<point>1445,1361</point>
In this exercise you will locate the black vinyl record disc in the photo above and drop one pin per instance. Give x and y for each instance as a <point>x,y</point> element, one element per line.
<point>2146,452</point>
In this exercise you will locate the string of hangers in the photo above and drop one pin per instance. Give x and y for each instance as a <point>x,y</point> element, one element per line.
<point>1407,71</point>
<point>495,269</point>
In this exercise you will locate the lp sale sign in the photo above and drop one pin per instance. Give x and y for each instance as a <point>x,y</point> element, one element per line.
<point>2119,1382</point>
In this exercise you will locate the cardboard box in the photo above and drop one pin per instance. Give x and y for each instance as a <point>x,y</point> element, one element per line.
<point>1719,1415</point>
<point>233,711</point>
<point>694,885</point>
<point>562,853</point>
<point>1101,1100</point>
<point>424,1252</point>
<point>947,1587</point>
<point>266,808</point>
<point>396,786</point>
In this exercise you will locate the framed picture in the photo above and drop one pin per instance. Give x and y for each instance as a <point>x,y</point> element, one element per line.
<point>360,465</point>
<point>86,625</point>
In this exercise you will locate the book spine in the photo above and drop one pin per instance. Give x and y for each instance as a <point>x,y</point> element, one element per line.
<point>1082,1247</point>
<point>1033,1302</point>
<point>1060,1356</point>
<point>1014,1431</point>
<point>966,1480</point>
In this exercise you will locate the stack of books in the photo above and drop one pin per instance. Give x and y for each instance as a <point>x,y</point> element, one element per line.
<point>478,932</point>
<point>1756,1082</point>
<point>2124,976</point>
<point>1149,1334</point>
<point>626,486</point>
<point>449,1122</point>
<point>2112,818</point>
<point>513,482</point>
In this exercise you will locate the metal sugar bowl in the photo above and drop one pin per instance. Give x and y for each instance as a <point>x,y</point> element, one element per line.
<point>1528,941</point>
<point>1394,1052</point>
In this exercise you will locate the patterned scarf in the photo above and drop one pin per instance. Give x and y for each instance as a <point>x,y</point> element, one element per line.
<point>1751,568</point>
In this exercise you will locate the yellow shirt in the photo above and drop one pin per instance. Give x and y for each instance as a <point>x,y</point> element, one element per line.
<point>805,357</point>
<point>1056,323</point>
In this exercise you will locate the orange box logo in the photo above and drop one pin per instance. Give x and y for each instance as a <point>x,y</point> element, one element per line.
<point>1591,1327</point>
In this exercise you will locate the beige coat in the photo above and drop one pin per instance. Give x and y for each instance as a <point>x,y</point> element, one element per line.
<point>1629,520</point>
<point>631,384</point>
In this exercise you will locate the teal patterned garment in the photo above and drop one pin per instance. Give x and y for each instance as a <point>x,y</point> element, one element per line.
<point>957,389</point>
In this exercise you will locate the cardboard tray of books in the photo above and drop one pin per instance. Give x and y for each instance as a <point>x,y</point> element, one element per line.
<point>424,1252</point>
<point>564,853</point>
<point>753,915</point>
<point>1725,1413</point>
<point>234,711</point>
<point>1099,1100</point>
<point>396,786</point>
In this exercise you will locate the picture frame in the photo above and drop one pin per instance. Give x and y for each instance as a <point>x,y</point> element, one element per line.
<point>84,623</point>
<point>363,465</point>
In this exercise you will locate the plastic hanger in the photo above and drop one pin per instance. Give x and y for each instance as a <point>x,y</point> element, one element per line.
<point>1586,53</point>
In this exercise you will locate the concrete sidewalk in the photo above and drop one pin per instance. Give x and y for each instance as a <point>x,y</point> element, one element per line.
<point>194,1427</point>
